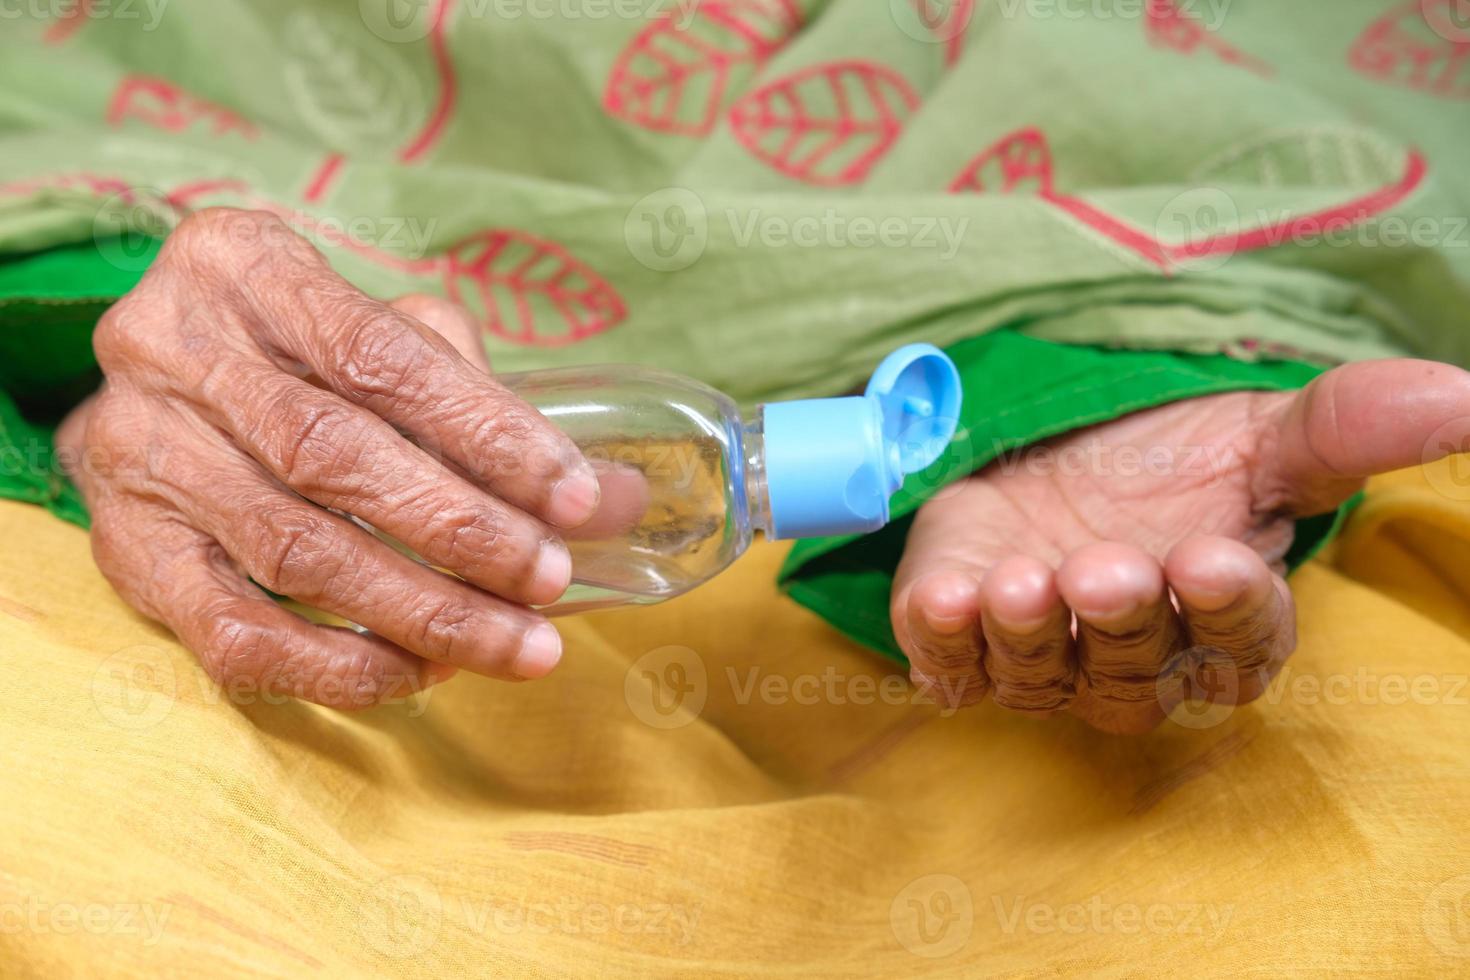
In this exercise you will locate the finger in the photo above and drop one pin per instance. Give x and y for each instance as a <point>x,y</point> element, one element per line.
<point>1357,421</point>
<point>624,502</point>
<point>941,635</point>
<point>624,491</point>
<point>451,321</point>
<point>242,638</point>
<point>1029,654</point>
<point>316,557</point>
<point>1127,632</point>
<point>1239,616</point>
<point>401,370</point>
<point>344,457</point>
<point>935,609</point>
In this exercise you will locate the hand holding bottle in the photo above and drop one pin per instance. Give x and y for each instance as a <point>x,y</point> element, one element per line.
<point>253,398</point>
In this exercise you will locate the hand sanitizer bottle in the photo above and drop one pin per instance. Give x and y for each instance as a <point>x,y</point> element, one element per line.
<point>686,481</point>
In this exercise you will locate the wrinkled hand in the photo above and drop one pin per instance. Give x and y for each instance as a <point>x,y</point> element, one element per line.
<point>1123,568</point>
<point>249,389</point>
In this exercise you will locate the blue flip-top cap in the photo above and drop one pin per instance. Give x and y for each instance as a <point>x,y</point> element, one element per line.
<point>832,463</point>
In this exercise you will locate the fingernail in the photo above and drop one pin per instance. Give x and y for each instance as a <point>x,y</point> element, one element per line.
<point>540,653</point>
<point>574,499</point>
<point>1212,600</point>
<point>553,572</point>
<point>944,625</point>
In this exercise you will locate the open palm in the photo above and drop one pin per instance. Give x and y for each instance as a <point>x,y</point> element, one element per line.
<point>1114,571</point>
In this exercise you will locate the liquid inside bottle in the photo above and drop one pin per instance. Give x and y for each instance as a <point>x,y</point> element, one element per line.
<point>682,476</point>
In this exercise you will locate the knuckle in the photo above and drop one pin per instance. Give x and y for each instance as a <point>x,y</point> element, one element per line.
<point>1036,679</point>
<point>380,356</point>
<point>444,628</point>
<point>297,553</point>
<point>474,537</point>
<point>235,647</point>
<point>949,659</point>
<point>508,441</point>
<point>316,443</point>
<point>1122,684</point>
<point>1251,642</point>
<point>115,339</point>
<point>219,235</point>
<point>1034,699</point>
<point>117,444</point>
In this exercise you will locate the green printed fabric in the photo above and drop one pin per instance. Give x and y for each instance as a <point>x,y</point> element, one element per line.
<point>766,194</point>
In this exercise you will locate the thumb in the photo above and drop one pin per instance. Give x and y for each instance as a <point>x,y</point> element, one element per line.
<point>448,320</point>
<point>1360,420</point>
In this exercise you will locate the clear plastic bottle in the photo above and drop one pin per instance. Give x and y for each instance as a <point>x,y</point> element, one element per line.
<point>686,481</point>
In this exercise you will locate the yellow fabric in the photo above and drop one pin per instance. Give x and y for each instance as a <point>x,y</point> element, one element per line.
<point>770,825</point>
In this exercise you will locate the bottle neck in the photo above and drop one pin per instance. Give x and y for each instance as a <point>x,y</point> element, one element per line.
<point>757,499</point>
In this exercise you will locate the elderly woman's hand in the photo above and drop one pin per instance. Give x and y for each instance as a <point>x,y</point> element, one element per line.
<point>1117,570</point>
<point>252,399</point>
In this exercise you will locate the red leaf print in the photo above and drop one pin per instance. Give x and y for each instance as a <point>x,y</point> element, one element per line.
<point>529,290</point>
<point>164,105</point>
<point>68,22</point>
<point>1018,163</point>
<point>673,77</point>
<point>948,20</point>
<point>827,124</point>
<point>1170,27</point>
<point>1422,44</point>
